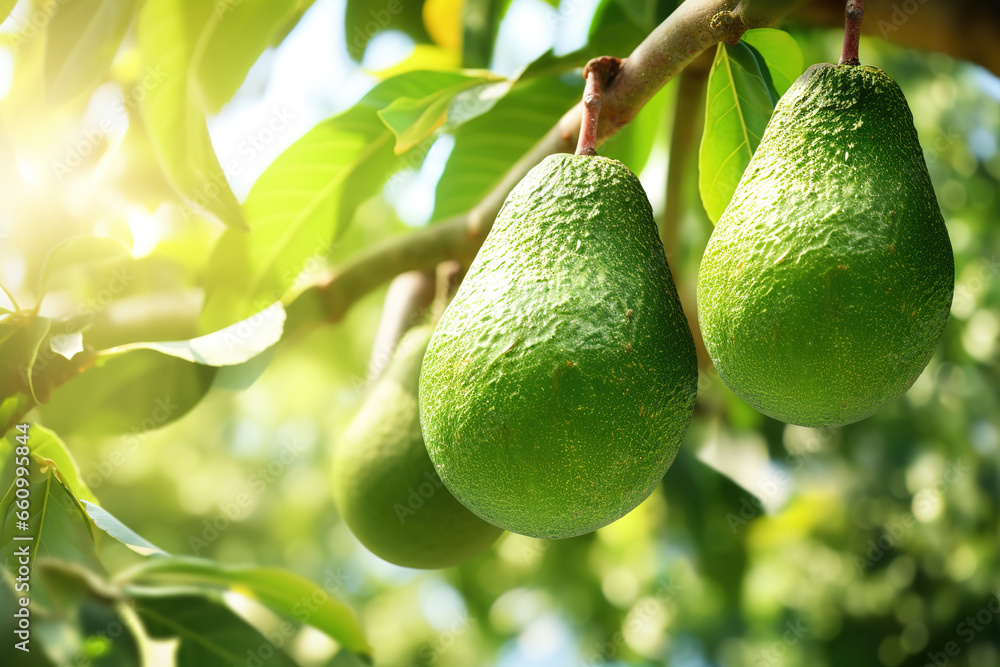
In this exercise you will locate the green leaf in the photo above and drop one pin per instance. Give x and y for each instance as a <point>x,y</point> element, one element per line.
<point>118,530</point>
<point>21,338</point>
<point>81,252</point>
<point>781,53</point>
<point>88,608</point>
<point>10,410</point>
<point>740,102</point>
<point>242,376</point>
<point>128,394</point>
<point>363,19</point>
<point>172,36</point>
<point>279,590</point>
<point>37,332</point>
<point>57,526</point>
<point>83,38</point>
<point>487,146</point>
<point>412,120</point>
<point>210,633</point>
<point>47,444</point>
<point>244,31</point>
<point>236,344</point>
<point>303,201</point>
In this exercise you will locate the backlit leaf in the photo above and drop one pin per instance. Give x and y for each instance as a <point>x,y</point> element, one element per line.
<point>740,100</point>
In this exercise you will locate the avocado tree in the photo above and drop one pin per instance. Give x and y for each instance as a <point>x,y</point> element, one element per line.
<point>319,348</point>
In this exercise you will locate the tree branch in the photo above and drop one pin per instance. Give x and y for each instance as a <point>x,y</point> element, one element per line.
<point>693,27</point>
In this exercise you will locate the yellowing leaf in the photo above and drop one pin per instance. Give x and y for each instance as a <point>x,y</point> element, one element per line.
<point>424,57</point>
<point>413,120</point>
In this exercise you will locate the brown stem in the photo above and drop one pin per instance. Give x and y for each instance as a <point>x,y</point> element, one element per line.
<point>852,32</point>
<point>405,304</point>
<point>598,72</point>
<point>449,277</point>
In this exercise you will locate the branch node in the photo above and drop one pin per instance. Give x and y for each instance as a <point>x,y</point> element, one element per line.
<point>729,26</point>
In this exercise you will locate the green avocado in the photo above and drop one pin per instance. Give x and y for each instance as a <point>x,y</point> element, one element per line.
<point>561,379</point>
<point>827,283</point>
<point>385,486</point>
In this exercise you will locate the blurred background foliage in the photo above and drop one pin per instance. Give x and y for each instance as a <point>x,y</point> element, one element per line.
<point>766,544</point>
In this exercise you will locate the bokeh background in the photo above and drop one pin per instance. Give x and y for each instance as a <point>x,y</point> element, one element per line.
<point>765,545</point>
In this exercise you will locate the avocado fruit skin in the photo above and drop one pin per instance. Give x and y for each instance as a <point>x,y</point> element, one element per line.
<point>384,484</point>
<point>828,280</point>
<point>560,380</point>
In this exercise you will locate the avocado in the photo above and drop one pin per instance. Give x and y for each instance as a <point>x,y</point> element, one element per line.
<point>385,486</point>
<point>561,379</point>
<point>827,282</point>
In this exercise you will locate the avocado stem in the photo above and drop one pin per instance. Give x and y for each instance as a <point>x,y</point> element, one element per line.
<point>406,302</point>
<point>598,73</point>
<point>852,32</point>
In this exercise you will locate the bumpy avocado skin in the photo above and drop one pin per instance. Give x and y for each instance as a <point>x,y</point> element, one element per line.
<point>560,381</point>
<point>385,485</point>
<point>828,280</point>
